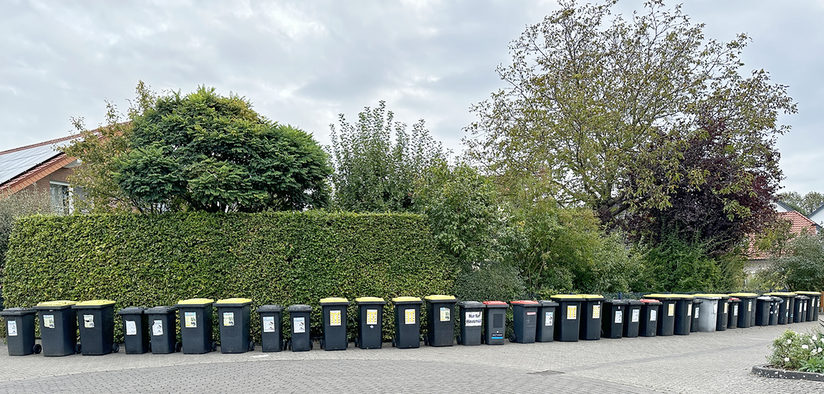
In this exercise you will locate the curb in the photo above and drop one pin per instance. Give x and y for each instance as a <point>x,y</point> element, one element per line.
<point>769,372</point>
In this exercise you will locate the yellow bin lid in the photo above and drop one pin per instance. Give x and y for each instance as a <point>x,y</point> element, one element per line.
<point>233,301</point>
<point>746,295</point>
<point>196,301</point>
<point>782,293</point>
<point>670,296</point>
<point>808,292</point>
<point>407,299</point>
<point>57,303</point>
<point>593,296</point>
<point>440,297</point>
<point>95,303</point>
<point>334,300</point>
<point>369,299</point>
<point>569,296</point>
<point>711,295</point>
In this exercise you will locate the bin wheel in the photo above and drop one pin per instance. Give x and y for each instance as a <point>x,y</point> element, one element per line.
<point>178,346</point>
<point>312,345</point>
<point>426,341</point>
<point>37,348</point>
<point>77,348</point>
<point>115,347</point>
<point>149,347</point>
<point>321,342</point>
<point>251,345</point>
<point>283,344</point>
<point>394,344</point>
<point>357,342</point>
<point>214,346</point>
<point>458,339</point>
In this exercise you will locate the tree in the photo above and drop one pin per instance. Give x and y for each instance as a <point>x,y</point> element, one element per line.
<point>599,109</point>
<point>805,204</point>
<point>203,151</point>
<point>377,162</point>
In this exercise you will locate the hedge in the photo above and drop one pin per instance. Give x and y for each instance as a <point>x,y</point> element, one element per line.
<point>273,258</point>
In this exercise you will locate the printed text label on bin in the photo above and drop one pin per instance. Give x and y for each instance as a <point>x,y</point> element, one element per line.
<point>409,316</point>
<point>88,321</point>
<point>473,319</point>
<point>228,319</point>
<point>572,312</point>
<point>619,317</point>
<point>653,315</point>
<point>268,324</point>
<point>371,317</point>
<point>299,325</point>
<point>636,315</point>
<point>671,310</point>
<point>131,327</point>
<point>157,328</point>
<point>445,314</point>
<point>596,311</point>
<point>12,324</point>
<point>549,318</point>
<point>190,319</point>
<point>334,318</point>
<point>48,321</point>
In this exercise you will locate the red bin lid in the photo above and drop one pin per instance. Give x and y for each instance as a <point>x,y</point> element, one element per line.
<point>494,303</point>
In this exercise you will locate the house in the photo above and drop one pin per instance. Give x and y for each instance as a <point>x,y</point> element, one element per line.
<point>799,224</point>
<point>817,216</point>
<point>41,166</point>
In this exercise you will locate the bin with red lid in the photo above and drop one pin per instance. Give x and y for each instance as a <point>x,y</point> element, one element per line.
<point>525,319</point>
<point>546,321</point>
<point>650,317</point>
<point>495,322</point>
<point>591,316</point>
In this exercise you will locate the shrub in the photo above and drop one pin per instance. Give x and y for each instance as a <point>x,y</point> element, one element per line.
<point>496,281</point>
<point>794,350</point>
<point>23,203</point>
<point>273,258</point>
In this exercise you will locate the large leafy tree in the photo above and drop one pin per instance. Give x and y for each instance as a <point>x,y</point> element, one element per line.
<point>806,204</point>
<point>203,151</point>
<point>600,109</point>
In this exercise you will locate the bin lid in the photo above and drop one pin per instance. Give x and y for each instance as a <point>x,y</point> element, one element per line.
<point>270,308</point>
<point>58,304</point>
<point>777,299</point>
<point>334,301</point>
<point>617,302</point>
<point>649,301</point>
<point>782,294</point>
<point>764,298</point>
<point>669,296</point>
<point>195,302</point>
<point>744,295</point>
<point>712,296</point>
<point>233,302</point>
<point>93,304</point>
<point>808,293</point>
<point>471,305</point>
<point>592,297</point>
<point>370,300</point>
<point>17,312</point>
<point>547,303</point>
<point>160,310</point>
<point>733,299</point>
<point>497,304</point>
<point>131,310</point>
<point>802,297</point>
<point>573,297</point>
<point>299,308</point>
<point>526,303</point>
<point>634,302</point>
<point>407,300</point>
<point>440,297</point>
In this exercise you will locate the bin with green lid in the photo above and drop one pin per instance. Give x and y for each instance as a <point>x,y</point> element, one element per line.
<point>20,331</point>
<point>333,311</point>
<point>196,325</point>
<point>707,311</point>
<point>299,316</point>
<point>271,328</point>
<point>58,328</point>
<point>407,322</point>
<point>650,312</point>
<point>632,318</point>
<point>135,330</point>
<point>162,329</point>
<point>668,316</point>
<point>800,309</point>
<point>524,321</point>
<point>814,304</point>
<point>732,316</point>
<point>440,320</point>
<point>470,317</point>
<point>568,319</point>
<point>370,322</point>
<point>547,311</point>
<point>234,316</point>
<point>746,312</point>
<point>95,319</point>
<point>591,316</point>
<point>614,317</point>
<point>495,322</point>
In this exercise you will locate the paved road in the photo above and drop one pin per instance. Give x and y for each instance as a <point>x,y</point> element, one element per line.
<point>698,363</point>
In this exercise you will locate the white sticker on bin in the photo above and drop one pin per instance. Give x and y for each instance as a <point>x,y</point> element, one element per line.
<point>12,324</point>
<point>190,319</point>
<point>48,321</point>
<point>88,321</point>
<point>653,315</point>
<point>409,316</point>
<point>473,319</point>
<point>157,328</point>
<point>572,312</point>
<point>549,318</point>
<point>636,315</point>
<point>371,317</point>
<point>299,325</point>
<point>689,311</point>
<point>671,310</point>
<point>269,324</point>
<point>697,310</point>
<point>619,317</point>
<point>335,318</point>
<point>445,314</point>
<point>735,310</point>
<point>596,311</point>
<point>726,307</point>
<point>228,319</point>
<point>131,327</point>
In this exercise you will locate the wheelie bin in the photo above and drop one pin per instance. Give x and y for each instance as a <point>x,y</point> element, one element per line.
<point>746,311</point>
<point>58,328</point>
<point>591,316</point>
<point>334,314</point>
<point>471,323</point>
<point>234,318</point>
<point>763,306</point>
<point>271,327</point>
<point>774,309</point>
<point>613,324</point>
<point>732,316</point>
<point>632,319</point>
<point>495,322</point>
<point>800,310</point>
<point>370,322</point>
<point>524,321</point>
<point>785,308</point>
<point>669,313</point>
<point>722,310</point>
<point>301,340</point>
<point>135,330</point>
<point>196,325</point>
<point>20,331</point>
<point>95,319</point>
<point>683,315</point>
<point>813,305</point>
<point>567,320</point>
<point>407,322</point>
<point>546,321</point>
<point>162,329</point>
<point>707,312</point>
<point>440,320</point>
<point>650,311</point>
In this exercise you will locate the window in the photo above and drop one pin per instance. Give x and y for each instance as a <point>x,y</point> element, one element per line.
<point>60,198</point>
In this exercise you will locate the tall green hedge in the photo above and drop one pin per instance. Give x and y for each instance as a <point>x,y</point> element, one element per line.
<point>273,258</point>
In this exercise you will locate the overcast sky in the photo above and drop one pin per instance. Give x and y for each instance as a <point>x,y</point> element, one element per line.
<point>303,62</point>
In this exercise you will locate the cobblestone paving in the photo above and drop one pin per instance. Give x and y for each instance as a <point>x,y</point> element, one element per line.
<point>698,363</point>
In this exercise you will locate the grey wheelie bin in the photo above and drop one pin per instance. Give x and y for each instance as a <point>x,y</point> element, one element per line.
<point>299,316</point>
<point>721,312</point>
<point>524,321</point>
<point>20,331</point>
<point>407,322</point>
<point>470,314</point>
<point>567,320</point>
<point>667,312</point>
<point>785,307</point>
<point>196,325</point>
<point>732,316</point>
<point>707,311</point>
<point>334,312</point>
<point>763,306</point>
<point>370,322</point>
<point>591,316</point>
<point>440,320</point>
<point>234,317</point>
<point>632,318</point>
<point>615,315</point>
<point>800,311</point>
<point>58,327</point>
<point>495,322</point>
<point>163,329</point>
<point>546,321</point>
<point>271,328</point>
<point>813,304</point>
<point>135,330</point>
<point>746,312</point>
<point>650,312</point>
<point>95,319</point>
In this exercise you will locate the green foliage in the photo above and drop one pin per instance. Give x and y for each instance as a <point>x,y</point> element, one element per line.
<point>804,267</point>
<point>12,207</point>
<point>677,265</point>
<point>805,204</point>
<point>203,151</point>
<point>798,351</point>
<point>377,162</point>
<point>490,282</point>
<point>462,208</point>
<point>273,258</point>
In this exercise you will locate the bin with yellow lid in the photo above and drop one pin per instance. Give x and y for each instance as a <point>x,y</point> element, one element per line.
<point>196,325</point>
<point>567,319</point>
<point>58,328</point>
<point>407,322</point>
<point>334,316</point>
<point>440,320</point>
<point>95,319</point>
<point>370,322</point>
<point>746,311</point>
<point>591,305</point>
<point>815,304</point>
<point>785,308</point>
<point>233,319</point>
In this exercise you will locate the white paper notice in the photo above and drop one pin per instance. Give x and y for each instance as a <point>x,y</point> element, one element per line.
<point>88,321</point>
<point>228,319</point>
<point>636,315</point>
<point>190,319</point>
<point>131,327</point>
<point>299,325</point>
<point>473,319</point>
<point>269,324</point>
<point>48,321</point>
<point>157,328</point>
<point>549,318</point>
<point>619,317</point>
<point>12,324</point>
<point>653,315</point>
